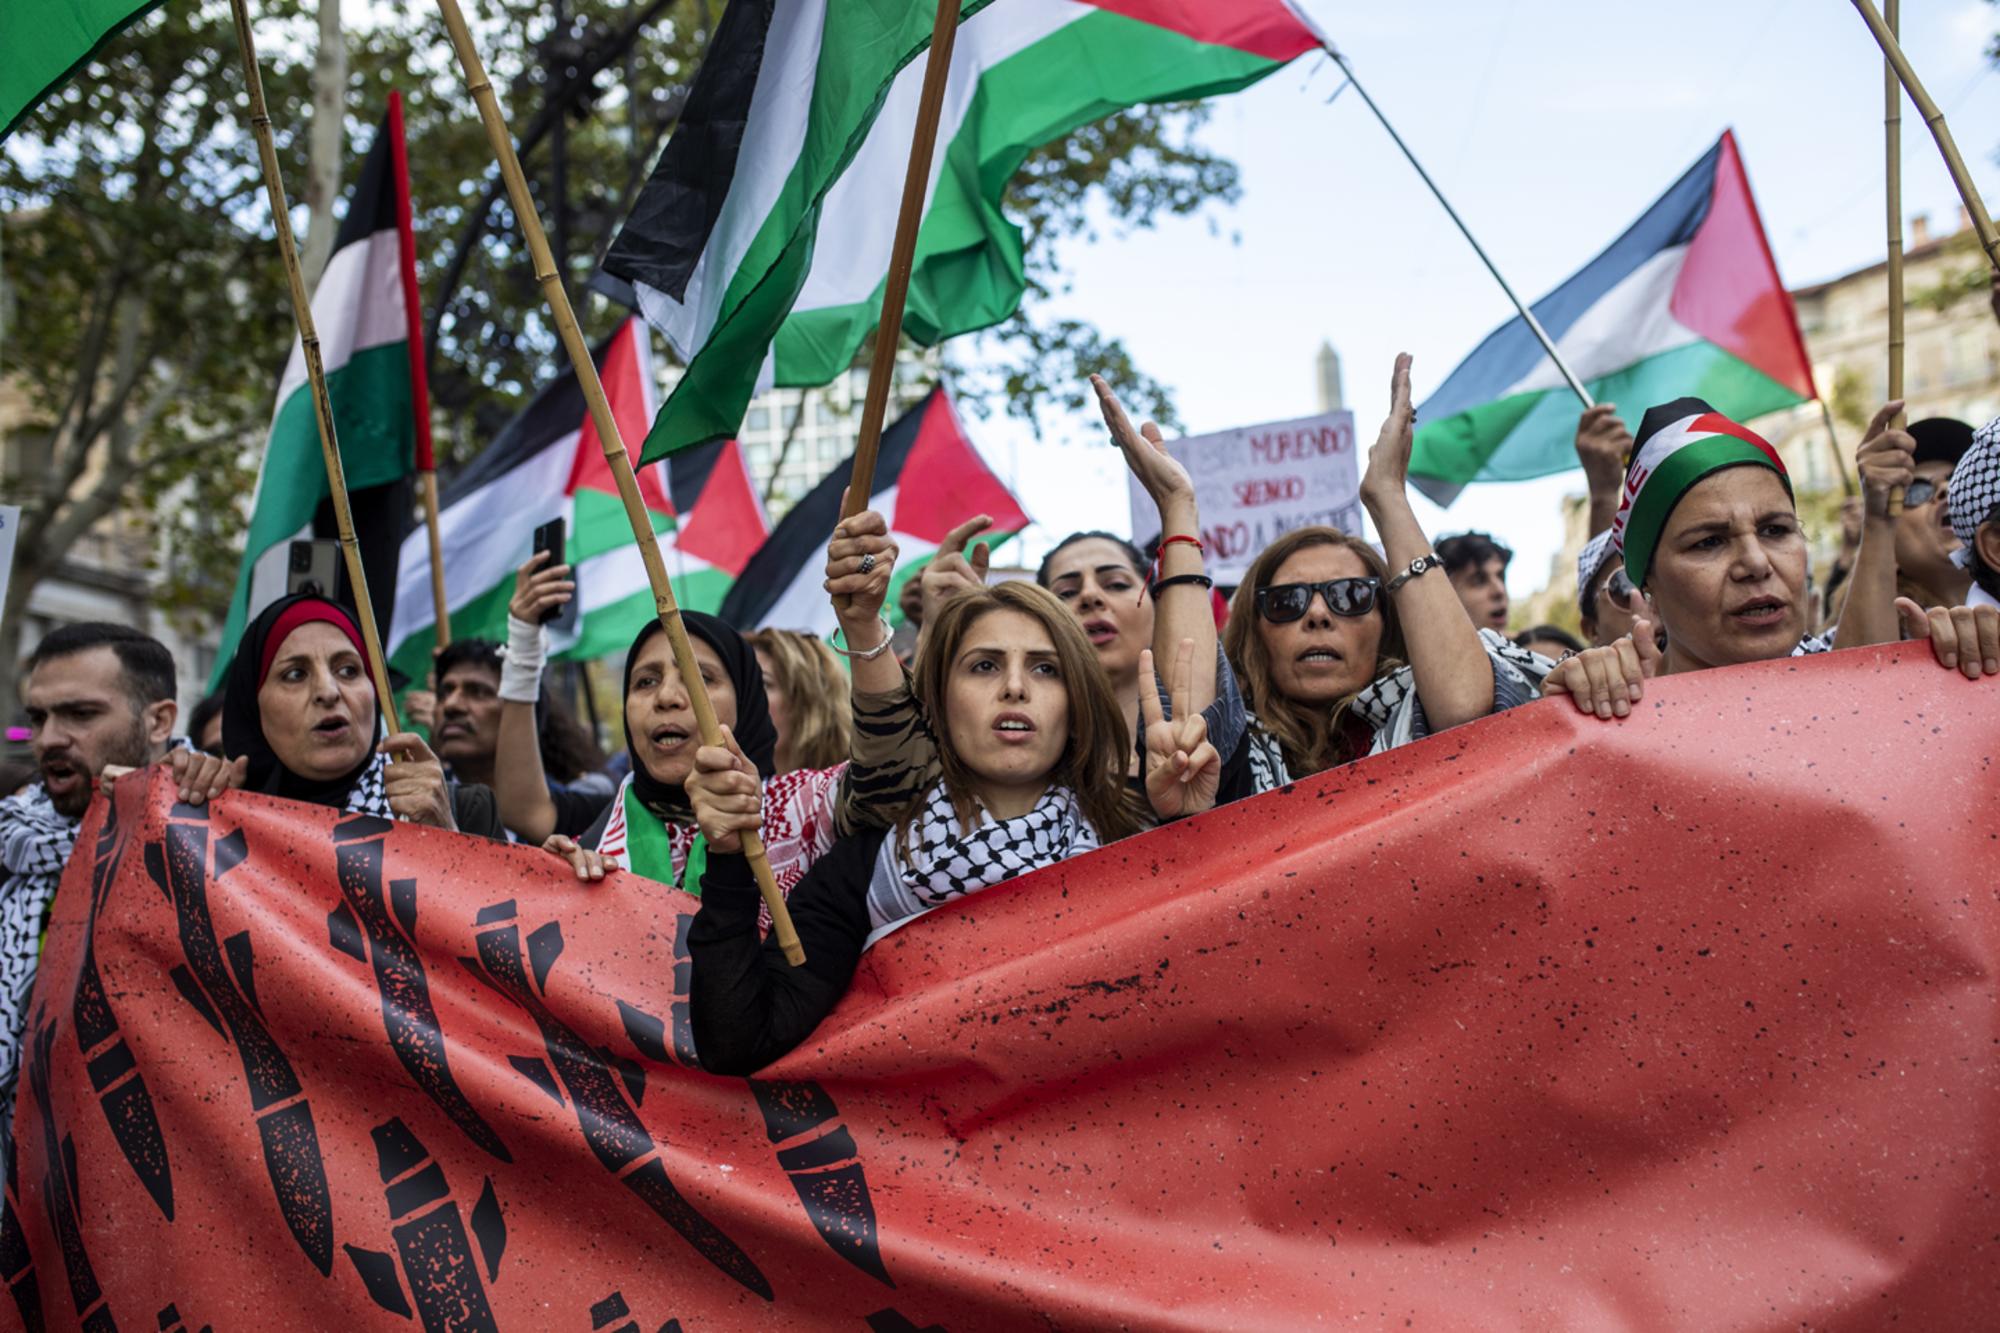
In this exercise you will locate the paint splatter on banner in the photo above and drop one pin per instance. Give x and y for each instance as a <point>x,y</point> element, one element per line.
<point>1543,1022</point>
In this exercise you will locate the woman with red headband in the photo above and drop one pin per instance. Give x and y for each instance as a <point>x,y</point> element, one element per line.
<point>301,708</point>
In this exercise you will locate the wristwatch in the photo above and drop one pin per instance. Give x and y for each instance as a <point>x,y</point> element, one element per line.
<point>1417,566</point>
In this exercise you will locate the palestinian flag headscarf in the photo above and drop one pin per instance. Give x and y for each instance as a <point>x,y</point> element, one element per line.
<point>1679,444</point>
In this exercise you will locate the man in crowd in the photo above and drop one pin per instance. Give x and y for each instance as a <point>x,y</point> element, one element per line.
<point>1477,567</point>
<point>1925,543</point>
<point>95,694</point>
<point>465,730</point>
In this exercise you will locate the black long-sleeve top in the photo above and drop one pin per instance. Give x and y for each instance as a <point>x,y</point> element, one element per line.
<point>747,1004</point>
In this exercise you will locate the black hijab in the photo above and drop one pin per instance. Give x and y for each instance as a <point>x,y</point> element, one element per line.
<point>243,723</point>
<point>755,733</point>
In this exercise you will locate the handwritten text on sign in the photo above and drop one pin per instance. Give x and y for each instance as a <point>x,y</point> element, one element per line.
<point>1257,483</point>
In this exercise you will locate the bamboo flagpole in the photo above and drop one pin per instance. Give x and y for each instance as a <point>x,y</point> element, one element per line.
<point>1527,315</point>
<point>329,443</point>
<point>608,436</point>
<point>1892,149</point>
<point>1982,221</point>
<point>902,257</point>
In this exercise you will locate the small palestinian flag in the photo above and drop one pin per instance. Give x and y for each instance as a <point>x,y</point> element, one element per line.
<point>369,318</point>
<point>762,259</point>
<point>1686,302</point>
<point>548,464</point>
<point>928,480</point>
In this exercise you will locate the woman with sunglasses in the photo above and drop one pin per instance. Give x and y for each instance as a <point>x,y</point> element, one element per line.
<point>1338,658</point>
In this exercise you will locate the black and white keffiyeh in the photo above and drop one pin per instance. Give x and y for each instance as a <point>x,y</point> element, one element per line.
<point>35,843</point>
<point>937,861</point>
<point>1975,490</point>
<point>1390,707</point>
<point>367,796</point>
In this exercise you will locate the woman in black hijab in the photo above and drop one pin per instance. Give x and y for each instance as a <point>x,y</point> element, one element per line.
<point>650,827</point>
<point>300,708</point>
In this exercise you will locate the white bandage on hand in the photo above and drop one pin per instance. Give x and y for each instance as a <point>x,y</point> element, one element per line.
<point>521,662</point>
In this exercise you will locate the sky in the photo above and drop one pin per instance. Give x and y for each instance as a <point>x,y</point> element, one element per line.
<point>1550,125</point>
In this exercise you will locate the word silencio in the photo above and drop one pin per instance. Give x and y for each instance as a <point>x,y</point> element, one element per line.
<point>1256,483</point>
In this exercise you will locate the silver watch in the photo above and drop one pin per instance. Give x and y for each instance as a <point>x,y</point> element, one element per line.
<point>1418,566</point>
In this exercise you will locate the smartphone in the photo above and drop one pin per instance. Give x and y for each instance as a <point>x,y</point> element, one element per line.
<point>314,567</point>
<point>553,537</point>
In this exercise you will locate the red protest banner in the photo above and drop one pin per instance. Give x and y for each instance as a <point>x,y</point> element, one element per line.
<point>1681,1021</point>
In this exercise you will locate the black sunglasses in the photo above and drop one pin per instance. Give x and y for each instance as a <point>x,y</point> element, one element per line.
<point>1920,492</point>
<point>1282,603</point>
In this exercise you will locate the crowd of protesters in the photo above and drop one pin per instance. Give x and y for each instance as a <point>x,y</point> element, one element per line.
<point>1006,726</point>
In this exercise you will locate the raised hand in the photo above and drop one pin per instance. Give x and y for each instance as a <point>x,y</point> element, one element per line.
<point>950,572</point>
<point>201,776</point>
<point>727,798</point>
<point>414,783</point>
<point>540,589</point>
<point>589,866</point>
<point>1145,453</point>
<point>1886,460</point>
<point>1389,460</point>
<point>1602,443</point>
<point>1966,638</point>
<point>1182,766</point>
<point>859,560</point>
<point>1607,681</point>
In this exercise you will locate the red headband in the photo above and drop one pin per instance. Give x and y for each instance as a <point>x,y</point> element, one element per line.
<point>307,612</point>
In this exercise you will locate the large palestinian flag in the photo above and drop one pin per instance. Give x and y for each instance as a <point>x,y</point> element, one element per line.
<point>759,270</point>
<point>368,315</point>
<point>548,464</point>
<point>928,480</point>
<point>45,41</point>
<point>1687,303</point>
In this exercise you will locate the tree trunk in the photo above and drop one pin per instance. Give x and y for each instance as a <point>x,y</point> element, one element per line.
<point>329,83</point>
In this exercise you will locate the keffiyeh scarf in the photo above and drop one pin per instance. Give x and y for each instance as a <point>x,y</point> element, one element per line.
<point>366,796</point>
<point>935,860</point>
<point>1391,708</point>
<point>35,843</point>
<point>1974,490</point>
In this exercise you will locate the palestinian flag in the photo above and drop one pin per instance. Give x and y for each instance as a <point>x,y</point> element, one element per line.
<point>548,464</point>
<point>45,41</point>
<point>759,271</point>
<point>1687,303</point>
<point>928,480</point>
<point>368,314</point>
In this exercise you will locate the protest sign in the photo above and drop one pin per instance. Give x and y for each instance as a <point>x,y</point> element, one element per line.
<point>1257,483</point>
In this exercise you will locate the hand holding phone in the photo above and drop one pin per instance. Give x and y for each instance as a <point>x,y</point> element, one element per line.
<point>552,538</point>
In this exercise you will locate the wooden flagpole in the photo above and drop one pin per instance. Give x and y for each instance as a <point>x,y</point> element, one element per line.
<point>1982,221</point>
<point>1892,148</point>
<point>329,444</point>
<point>902,257</point>
<point>608,436</point>
<point>1527,315</point>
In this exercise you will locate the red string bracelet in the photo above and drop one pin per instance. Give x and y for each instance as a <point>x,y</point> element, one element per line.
<point>1165,542</point>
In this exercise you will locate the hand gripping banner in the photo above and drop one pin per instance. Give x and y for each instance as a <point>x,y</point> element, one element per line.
<point>1685,1021</point>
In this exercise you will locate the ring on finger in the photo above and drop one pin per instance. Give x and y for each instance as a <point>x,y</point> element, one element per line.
<point>868,562</point>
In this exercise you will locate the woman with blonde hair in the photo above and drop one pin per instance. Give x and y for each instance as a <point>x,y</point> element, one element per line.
<point>807,690</point>
<point>1030,757</point>
<point>1339,658</point>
